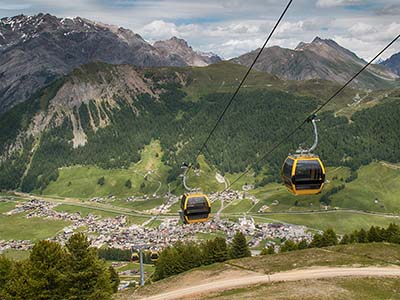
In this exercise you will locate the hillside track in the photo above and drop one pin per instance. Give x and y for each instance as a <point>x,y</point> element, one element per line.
<point>294,275</point>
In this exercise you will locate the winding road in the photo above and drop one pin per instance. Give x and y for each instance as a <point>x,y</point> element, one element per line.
<point>294,275</point>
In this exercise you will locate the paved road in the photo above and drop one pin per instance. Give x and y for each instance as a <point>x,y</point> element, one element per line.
<point>314,273</point>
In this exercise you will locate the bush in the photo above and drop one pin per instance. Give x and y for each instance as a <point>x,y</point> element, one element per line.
<point>128,184</point>
<point>101,181</point>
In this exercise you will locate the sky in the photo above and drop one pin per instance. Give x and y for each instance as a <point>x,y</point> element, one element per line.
<point>232,27</point>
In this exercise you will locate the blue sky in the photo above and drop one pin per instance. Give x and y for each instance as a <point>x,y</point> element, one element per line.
<point>232,27</point>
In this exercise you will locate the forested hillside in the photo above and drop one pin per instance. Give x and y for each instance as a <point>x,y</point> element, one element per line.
<point>109,129</point>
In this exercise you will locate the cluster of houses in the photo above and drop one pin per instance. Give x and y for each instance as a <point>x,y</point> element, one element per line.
<point>117,232</point>
<point>15,245</point>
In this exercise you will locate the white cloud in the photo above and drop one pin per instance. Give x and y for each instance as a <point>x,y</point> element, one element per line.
<point>159,30</point>
<point>333,3</point>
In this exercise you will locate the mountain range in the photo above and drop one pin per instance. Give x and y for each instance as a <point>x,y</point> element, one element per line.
<point>322,59</point>
<point>35,50</point>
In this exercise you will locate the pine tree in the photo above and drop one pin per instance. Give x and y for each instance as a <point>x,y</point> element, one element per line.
<point>169,263</point>
<point>329,238</point>
<point>354,237</point>
<point>345,239</point>
<point>87,276</point>
<point>191,256</point>
<point>288,245</point>
<point>114,278</point>
<point>316,241</point>
<point>5,271</point>
<point>239,247</point>
<point>221,249</point>
<point>47,265</point>
<point>362,236</point>
<point>268,250</point>
<point>215,250</point>
<point>392,233</point>
<point>19,285</point>
<point>302,245</point>
<point>373,235</point>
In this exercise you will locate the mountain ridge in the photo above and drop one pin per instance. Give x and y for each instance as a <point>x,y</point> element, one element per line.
<point>320,59</point>
<point>35,50</point>
<point>393,63</point>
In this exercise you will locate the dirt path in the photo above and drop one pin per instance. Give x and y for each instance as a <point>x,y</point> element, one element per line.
<point>313,273</point>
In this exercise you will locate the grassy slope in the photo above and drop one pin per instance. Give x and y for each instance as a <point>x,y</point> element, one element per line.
<point>205,179</point>
<point>225,77</point>
<point>20,228</point>
<point>343,255</point>
<point>374,181</point>
<point>81,181</point>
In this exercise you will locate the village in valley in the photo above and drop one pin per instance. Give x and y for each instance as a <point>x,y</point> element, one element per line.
<point>161,228</point>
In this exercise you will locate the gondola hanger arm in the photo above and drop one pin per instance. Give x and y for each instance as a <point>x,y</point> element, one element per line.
<point>313,119</point>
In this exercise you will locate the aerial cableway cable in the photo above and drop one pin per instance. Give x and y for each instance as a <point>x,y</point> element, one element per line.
<point>242,81</point>
<point>277,145</point>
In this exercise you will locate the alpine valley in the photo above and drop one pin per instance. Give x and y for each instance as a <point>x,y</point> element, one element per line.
<point>93,111</point>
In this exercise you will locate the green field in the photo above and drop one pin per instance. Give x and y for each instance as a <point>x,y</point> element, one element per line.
<point>341,222</point>
<point>17,227</point>
<point>238,206</point>
<point>6,206</point>
<point>205,179</point>
<point>375,182</point>
<point>81,181</point>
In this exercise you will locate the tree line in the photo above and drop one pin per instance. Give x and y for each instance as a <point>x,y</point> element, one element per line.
<point>374,234</point>
<point>185,256</point>
<point>54,272</point>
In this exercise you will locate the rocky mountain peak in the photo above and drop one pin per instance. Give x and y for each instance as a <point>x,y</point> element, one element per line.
<point>179,47</point>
